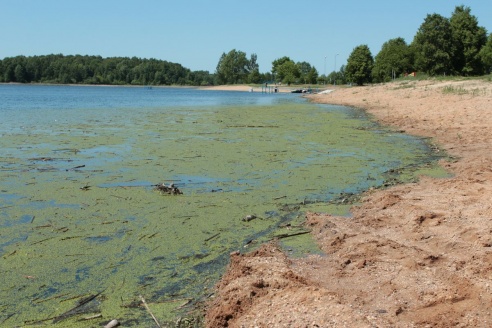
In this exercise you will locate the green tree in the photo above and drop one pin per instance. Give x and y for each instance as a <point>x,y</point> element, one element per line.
<point>20,74</point>
<point>97,70</point>
<point>469,39</point>
<point>253,64</point>
<point>486,54</point>
<point>232,67</point>
<point>434,46</point>
<point>278,62</point>
<point>288,72</point>
<point>312,76</point>
<point>337,77</point>
<point>253,70</point>
<point>307,73</point>
<point>254,76</point>
<point>393,58</point>
<point>359,65</point>
<point>285,70</point>
<point>268,76</point>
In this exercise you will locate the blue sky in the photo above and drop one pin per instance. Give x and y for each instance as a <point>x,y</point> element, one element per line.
<point>195,33</point>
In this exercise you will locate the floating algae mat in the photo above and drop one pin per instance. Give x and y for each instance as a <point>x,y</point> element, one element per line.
<point>84,234</point>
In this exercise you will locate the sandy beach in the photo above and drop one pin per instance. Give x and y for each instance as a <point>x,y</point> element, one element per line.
<point>247,88</point>
<point>414,255</point>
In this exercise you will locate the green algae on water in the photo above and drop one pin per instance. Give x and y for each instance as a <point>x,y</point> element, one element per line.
<point>80,216</point>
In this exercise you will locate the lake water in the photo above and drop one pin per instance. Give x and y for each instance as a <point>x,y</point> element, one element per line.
<point>83,232</point>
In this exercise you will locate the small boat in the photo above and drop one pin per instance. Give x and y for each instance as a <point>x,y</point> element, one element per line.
<point>301,91</point>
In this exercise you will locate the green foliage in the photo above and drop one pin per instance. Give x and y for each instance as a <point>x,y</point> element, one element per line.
<point>252,64</point>
<point>307,73</point>
<point>359,65</point>
<point>254,77</point>
<point>312,76</point>
<point>469,39</point>
<point>279,62</point>
<point>395,58</point>
<point>434,46</point>
<point>441,47</point>
<point>337,78</point>
<point>265,77</point>
<point>234,67</point>
<point>20,73</point>
<point>288,72</point>
<point>98,70</point>
<point>486,54</point>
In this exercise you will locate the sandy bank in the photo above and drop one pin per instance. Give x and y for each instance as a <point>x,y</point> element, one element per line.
<point>249,88</point>
<point>416,255</point>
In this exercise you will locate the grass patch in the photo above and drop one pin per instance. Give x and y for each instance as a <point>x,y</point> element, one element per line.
<point>450,89</point>
<point>460,90</point>
<point>405,85</point>
<point>479,92</point>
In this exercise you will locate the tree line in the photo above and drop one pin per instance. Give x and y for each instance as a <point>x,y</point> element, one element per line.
<point>234,67</point>
<point>97,70</point>
<point>441,46</point>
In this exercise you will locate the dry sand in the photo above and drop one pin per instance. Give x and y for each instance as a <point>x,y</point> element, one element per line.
<point>415,255</point>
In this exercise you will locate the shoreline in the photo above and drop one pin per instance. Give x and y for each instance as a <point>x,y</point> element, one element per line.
<point>232,87</point>
<point>257,88</point>
<point>417,254</point>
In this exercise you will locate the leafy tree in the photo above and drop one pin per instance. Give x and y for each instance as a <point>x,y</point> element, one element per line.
<point>469,38</point>
<point>254,76</point>
<point>254,70</point>
<point>252,63</point>
<point>339,77</point>
<point>486,54</point>
<point>287,72</point>
<point>434,46</point>
<point>307,73</point>
<point>201,78</point>
<point>232,67</point>
<point>98,70</point>
<point>20,73</point>
<point>359,65</point>
<point>268,76</point>
<point>279,62</point>
<point>393,58</point>
<point>312,76</point>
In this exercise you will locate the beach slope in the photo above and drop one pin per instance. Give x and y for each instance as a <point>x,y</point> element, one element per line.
<point>414,255</point>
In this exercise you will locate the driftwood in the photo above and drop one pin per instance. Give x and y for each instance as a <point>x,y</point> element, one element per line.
<point>249,217</point>
<point>113,323</point>
<point>212,237</point>
<point>78,309</point>
<point>150,312</point>
<point>83,306</point>
<point>286,235</point>
<point>171,189</point>
<point>75,168</point>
